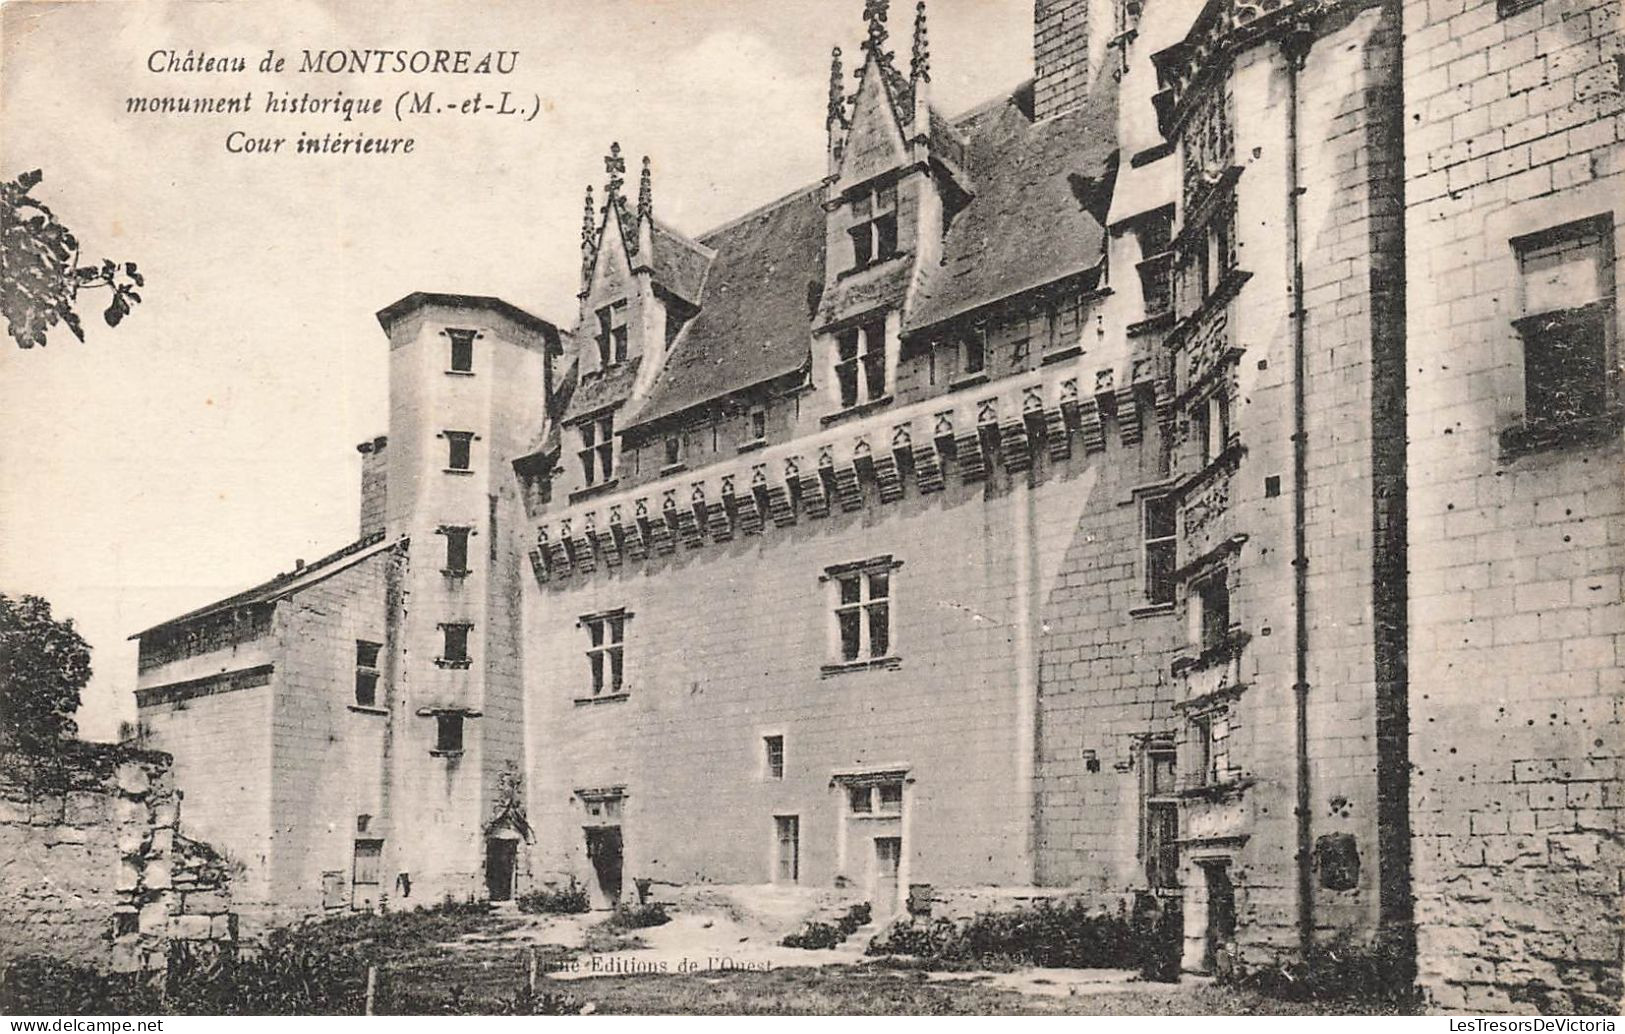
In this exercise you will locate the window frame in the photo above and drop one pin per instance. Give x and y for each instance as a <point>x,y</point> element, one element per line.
<point>1207,634</point>
<point>873,232</point>
<point>858,613</point>
<point>597,452</point>
<point>459,451</point>
<point>457,537</point>
<point>460,353</point>
<point>606,653</point>
<point>367,671</point>
<point>773,756</point>
<point>1168,543</point>
<point>1553,368</point>
<point>862,373</point>
<point>1159,857</point>
<point>612,337</point>
<point>462,657</point>
<point>450,733</point>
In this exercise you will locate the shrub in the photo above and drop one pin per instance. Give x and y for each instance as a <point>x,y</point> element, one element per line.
<point>814,937</point>
<point>569,900</point>
<point>1065,935</point>
<point>638,917</point>
<point>819,936</point>
<point>1381,970</point>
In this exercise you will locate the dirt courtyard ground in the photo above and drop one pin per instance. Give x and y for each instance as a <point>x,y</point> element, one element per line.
<point>717,958</point>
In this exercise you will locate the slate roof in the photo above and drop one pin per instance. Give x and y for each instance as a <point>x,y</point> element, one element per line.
<point>755,319</point>
<point>1026,226</point>
<point>680,264</point>
<point>600,389</point>
<point>286,583</point>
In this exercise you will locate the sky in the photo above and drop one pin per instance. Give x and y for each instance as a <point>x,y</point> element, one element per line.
<point>209,441</point>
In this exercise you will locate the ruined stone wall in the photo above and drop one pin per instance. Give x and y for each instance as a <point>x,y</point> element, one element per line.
<point>1513,119</point>
<point>94,863</point>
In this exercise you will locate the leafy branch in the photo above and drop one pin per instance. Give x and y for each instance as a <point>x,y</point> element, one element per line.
<point>40,274</point>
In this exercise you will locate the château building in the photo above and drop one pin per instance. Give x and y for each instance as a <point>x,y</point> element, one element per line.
<point>1191,479</point>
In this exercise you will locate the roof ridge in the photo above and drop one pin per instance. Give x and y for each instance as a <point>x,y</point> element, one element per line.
<point>777,202</point>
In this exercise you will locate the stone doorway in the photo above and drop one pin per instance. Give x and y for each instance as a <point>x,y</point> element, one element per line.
<point>604,851</point>
<point>501,858</point>
<point>888,866</point>
<point>1221,917</point>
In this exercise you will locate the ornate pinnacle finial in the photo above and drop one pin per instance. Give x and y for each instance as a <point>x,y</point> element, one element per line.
<point>589,223</point>
<point>874,12</point>
<point>837,93</point>
<point>920,65</point>
<point>646,194</point>
<point>615,169</point>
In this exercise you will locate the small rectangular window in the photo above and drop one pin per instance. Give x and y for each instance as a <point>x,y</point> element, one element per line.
<point>674,450</point>
<point>459,450</point>
<point>874,359</point>
<point>454,646</point>
<point>1213,426</point>
<point>973,350</point>
<point>891,798</point>
<point>448,737</point>
<point>758,424</point>
<point>1212,611</point>
<point>1567,327</point>
<point>462,351</point>
<point>1161,544</point>
<point>787,836</point>
<point>366,673</point>
<point>860,800</point>
<point>774,746</point>
<point>846,366</point>
<point>456,550</point>
<point>606,644</point>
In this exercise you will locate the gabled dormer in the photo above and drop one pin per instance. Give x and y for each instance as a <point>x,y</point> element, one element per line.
<point>896,179</point>
<point>640,285</point>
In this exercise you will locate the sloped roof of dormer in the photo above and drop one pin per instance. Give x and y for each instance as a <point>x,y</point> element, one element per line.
<point>680,263</point>
<point>1028,224</point>
<point>754,320</point>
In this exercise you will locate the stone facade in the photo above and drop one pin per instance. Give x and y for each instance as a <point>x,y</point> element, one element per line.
<point>95,864</point>
<point>1128,489</point>
<point>1517,545</point>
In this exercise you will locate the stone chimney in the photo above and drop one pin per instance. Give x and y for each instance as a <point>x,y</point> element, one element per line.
<point>374,485</point>
<point>1061,55</point>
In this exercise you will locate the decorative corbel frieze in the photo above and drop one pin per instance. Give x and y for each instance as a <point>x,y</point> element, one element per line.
<point>928,468</point>
<point>1014,446</point>
<point>968,451</point>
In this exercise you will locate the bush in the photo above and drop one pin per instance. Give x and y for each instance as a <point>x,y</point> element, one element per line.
<point>1381,970</point>
<point>1066,935</point>
<point>819,936</point>
<point>814,937</point>
<point>638,917</point>
<point>569,900</point>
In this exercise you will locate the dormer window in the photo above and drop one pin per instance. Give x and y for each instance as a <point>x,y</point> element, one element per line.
<point>597,452</point>
<point>874,228</point>
<point>860,363</point>
<point>973,350</point>
<point>611,335</point>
